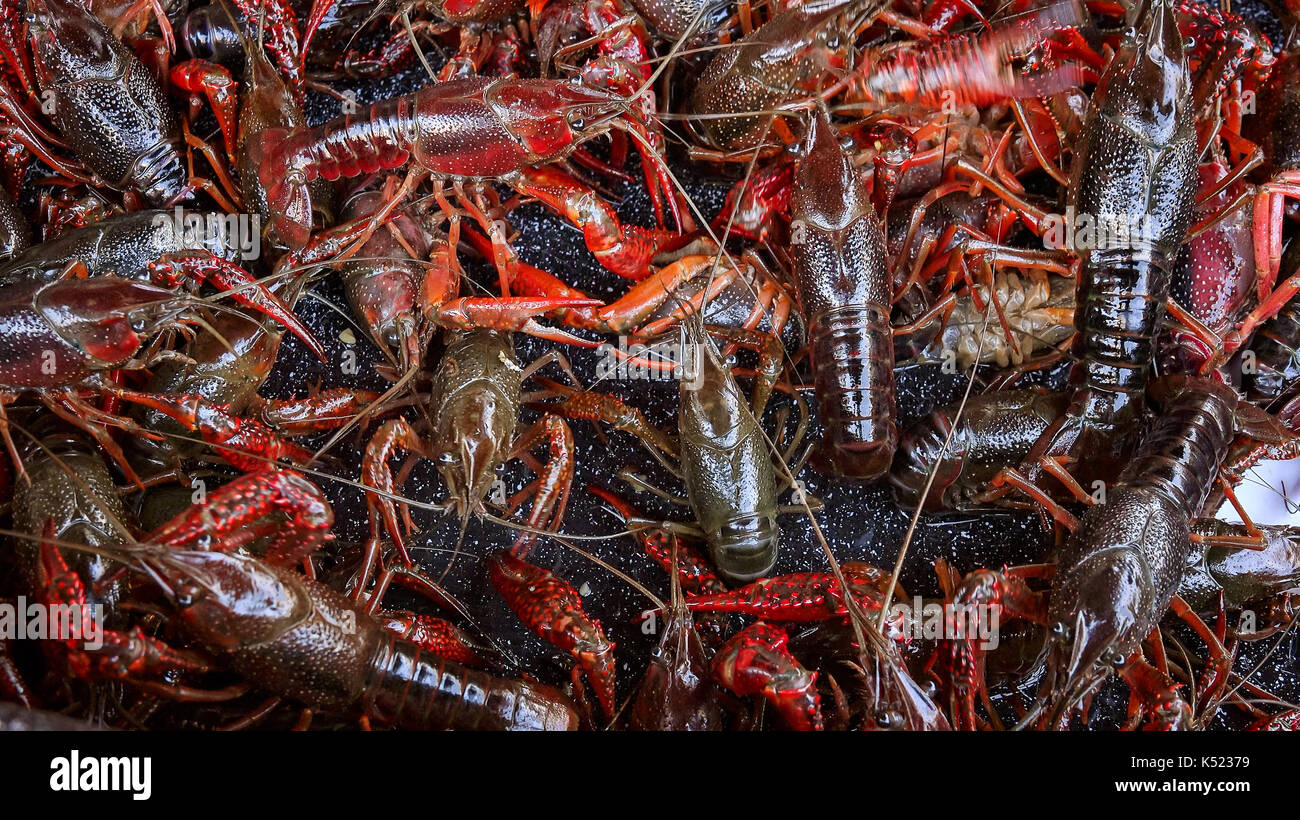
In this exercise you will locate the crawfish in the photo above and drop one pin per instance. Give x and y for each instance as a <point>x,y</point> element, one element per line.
<point>842,272</point>
<point>1275,350</point>
<point>1136,157</point>
<point>110,109</point>
<point>464,129</point>
<point>384,286</point>
<point>54,336</point>
<point>302,640</point>
<point>1268,578</point>
<point>1038,309</point>
<point>266,101</point>
<point>994,429</point>
<point>727,466</point>
<point>1120,569</point>
<point>166,247</point>
<point>69,484</point>
<point>761,72</point>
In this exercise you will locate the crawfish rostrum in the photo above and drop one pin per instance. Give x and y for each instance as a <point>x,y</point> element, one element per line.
<point>579,364</point>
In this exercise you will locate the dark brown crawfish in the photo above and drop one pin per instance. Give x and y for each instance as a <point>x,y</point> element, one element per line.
<point>15,233</point>
<point>300,639</point>
<point>761,72</point>
<point>1120,569</point>
<point>994,429</point>
<point>1136,158</point>
<point>1267,578</point>
<point>69,485</point>
<point>108,106</point>
<point>124,245</point>
<point>842,272</point>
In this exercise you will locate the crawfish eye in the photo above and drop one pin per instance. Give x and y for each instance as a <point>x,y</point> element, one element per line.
<point>138,321</point>
<point>187,595</point>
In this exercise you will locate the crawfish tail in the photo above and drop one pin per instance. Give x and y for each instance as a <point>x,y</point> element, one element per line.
<point>360,143</point>
<point>415,689</point>
<point>1181,455</point>
<point>365,142</point>
<point>994,429</point>
<point>852,351</point>
<point>1116,319</point>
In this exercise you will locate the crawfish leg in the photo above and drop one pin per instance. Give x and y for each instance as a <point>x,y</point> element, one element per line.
<point>552,608</point>
<point>553,481</point>
<point>377,477</point>
<point>756,662</point>
<point>233,508</point>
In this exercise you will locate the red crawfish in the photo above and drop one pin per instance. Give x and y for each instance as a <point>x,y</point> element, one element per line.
<point>551,607</point>
<point>755,661</point>
<point>54,336</point>
<point>842,272</point>
<point>163,247</point>
<point>465,129</point>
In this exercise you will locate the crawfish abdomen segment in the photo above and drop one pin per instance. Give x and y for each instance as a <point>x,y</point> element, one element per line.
<point>412,688</point>
<point>376,139</point>
<point>853,351</point>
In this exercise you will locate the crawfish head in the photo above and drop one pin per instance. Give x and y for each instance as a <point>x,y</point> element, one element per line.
<point>548,116</point>
<point>1149,87</point>
<point>226,600</point>
<point>1097,620</point>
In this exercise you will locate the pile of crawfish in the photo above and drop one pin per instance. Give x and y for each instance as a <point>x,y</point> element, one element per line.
<point>1082,209</point>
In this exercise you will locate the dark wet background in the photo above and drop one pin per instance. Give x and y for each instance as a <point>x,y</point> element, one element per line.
<point>861,522</point>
